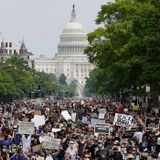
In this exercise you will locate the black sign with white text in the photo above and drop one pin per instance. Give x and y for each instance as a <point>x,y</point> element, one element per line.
<point>102,128</point>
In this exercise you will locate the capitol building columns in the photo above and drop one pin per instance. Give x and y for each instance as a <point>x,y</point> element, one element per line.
<point>70,58</point>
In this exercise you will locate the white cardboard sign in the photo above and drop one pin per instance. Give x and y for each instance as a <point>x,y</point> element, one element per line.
<point>26,128</point>
<point>50,143</point>
<point>73,116</point>
<point>66,115</point>
<point>38,120</point>
<point>55,130</point>
<point>102,113</point>
<point>123,120</point>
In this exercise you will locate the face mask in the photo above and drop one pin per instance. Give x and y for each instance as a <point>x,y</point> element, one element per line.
<point>4,150</point>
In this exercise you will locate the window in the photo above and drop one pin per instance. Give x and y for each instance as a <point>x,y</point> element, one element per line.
<point>15,51</point>
<point>10,51</point>
<point>10,44</point>
<point>6,44</point>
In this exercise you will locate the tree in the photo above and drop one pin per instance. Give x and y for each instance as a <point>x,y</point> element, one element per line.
<point>18,79</point>
<point>126,45</point>
<point>72,88</point>
<point>62,79</point>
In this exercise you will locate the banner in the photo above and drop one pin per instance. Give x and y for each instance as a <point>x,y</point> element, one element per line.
<point>123,120</point>
<point>102,128</point>
<point>50,143</point>
<point>26,128</point>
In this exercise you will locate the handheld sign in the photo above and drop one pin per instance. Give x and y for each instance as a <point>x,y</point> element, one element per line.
<point>73,116</point>
<point>26,128</point>
<point>38,120</point>
<point>66,115</point>
<point>102,113</point>
<point>50,143</point>
<point>84,119</point>
<point>96,121</point>
<point>123,120</point>
<point>102,128</point>
<point>39,158</point>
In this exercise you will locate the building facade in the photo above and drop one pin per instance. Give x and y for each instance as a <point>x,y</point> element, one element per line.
<point>9,48</point>
<point>70,58</point>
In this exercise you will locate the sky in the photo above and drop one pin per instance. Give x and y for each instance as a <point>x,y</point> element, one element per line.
<point>41,22</point>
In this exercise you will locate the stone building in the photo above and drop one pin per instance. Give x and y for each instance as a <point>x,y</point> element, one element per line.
<point>70,58</point>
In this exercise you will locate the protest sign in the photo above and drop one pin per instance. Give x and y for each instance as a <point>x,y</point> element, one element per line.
<point>50,143</point>
<point>54,130</point>
<point>102,113</point>
<point>26,128</point>
<point>97,121</point>
<point>38,120</point>
<point>102,110</point>
<point>135,108</point>
<point>102,128</point>
<point>39,158</point>
<point>84,119</point>
<point>129,133</point>
<point>73,116</point>
<point>66,115</point>
<point>123,120</point>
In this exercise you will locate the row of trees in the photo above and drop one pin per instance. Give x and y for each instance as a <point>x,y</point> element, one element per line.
<point>18,79</point>
<point>125,47</point>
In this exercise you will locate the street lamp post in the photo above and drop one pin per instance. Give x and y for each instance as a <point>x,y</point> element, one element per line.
<point>147,97</point>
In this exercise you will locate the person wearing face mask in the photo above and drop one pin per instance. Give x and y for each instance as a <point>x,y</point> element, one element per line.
<point>81,143</point>
<point>115,155</point>
<point>102,153</point>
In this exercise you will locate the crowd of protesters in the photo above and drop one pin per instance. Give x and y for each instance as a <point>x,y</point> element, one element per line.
<point>78,138</point>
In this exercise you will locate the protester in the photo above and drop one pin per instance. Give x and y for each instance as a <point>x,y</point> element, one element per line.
<point>124,131</point>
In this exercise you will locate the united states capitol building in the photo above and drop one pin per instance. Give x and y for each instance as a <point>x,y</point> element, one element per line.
<point>70,58</point>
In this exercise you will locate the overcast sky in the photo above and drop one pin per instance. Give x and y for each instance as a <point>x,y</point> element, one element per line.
<point>41,22</point>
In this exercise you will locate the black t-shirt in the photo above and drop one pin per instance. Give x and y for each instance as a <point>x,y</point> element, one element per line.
<point>102,154</point>
<point>116,156</point>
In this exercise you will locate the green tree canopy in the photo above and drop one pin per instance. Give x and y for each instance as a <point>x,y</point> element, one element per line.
<point>62,79</point>
<point>127,43</point>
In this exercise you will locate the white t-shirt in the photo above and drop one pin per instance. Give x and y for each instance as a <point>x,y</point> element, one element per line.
<point>26,143</point>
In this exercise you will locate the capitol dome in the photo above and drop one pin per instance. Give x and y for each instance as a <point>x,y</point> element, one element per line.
<point>73,39</point>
